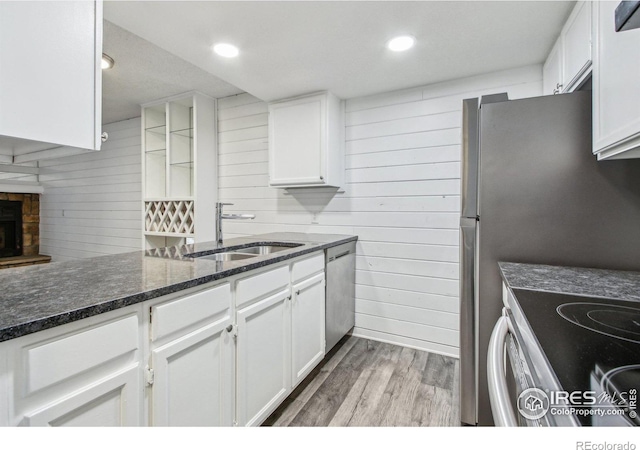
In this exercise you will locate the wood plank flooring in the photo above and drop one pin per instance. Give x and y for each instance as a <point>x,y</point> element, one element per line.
<point>369,383</point>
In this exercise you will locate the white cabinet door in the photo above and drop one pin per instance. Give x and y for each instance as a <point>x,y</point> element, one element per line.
<point>569,61</point>
<point>576,43</point>
<point>192,358</point>
<point>616,87</point>
<point>193,379</point>
<point>112,401</point>
<point>297,141</point>
<point>4,386</point>
<point>552,71</point>
<point>84,373</point>
<point>306,141</point>
<point>263,357</point>
<point>50,76</point>
<point>307,326</point>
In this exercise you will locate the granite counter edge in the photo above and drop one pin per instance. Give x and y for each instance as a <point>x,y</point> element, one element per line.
<point>44,323</point>
<point>609,284</point>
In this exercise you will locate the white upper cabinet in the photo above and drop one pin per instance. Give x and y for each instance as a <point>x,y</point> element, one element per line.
<point>616,87</point>
<point>50,76</point>
<point>576,44</point>
<point>569,62</point>
<point>552,71</point>
<point>306,141</point>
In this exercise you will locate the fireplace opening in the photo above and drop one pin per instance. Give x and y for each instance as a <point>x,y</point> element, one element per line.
<point>10,228</point>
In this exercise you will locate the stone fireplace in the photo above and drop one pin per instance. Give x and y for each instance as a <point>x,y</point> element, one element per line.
<point>10,228</point>
<point>20,230</point>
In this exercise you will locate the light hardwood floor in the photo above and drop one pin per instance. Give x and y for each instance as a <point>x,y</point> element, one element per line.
<point>370,383</point>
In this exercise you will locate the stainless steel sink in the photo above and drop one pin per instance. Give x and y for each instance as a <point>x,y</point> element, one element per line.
<point>247,252</point>
<point>263,249</point>
<point>227,256</point>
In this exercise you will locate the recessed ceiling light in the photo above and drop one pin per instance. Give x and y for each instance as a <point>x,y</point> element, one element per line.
<point>107,61</point>
<point>226,50</point>
<point>401,43</point>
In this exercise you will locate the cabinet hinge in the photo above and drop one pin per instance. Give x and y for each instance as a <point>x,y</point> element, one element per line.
<point>233,331</point>
<point>149,375</point>
<point>150,314</point>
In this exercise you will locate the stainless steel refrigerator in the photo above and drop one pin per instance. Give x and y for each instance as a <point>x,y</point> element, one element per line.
<point>533,192</point>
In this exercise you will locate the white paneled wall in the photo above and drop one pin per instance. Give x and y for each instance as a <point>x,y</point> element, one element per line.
<point>402,197</point>
<point>91,202</point>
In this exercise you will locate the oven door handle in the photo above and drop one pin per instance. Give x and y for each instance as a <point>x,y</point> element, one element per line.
<point>501,408</point>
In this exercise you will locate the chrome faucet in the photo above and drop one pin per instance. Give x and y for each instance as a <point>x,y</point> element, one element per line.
<point>220,216</point>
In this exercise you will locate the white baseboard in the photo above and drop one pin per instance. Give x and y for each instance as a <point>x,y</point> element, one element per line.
<point>431,347</point>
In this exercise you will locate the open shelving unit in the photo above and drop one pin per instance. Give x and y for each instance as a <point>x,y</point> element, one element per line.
<point>179,170</point>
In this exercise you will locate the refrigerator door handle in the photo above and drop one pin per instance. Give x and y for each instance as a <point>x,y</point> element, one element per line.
<point>468,358</point>
<point>470,158</point>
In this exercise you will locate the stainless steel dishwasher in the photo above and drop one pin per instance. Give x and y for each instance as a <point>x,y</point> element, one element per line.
<point>340,292</point>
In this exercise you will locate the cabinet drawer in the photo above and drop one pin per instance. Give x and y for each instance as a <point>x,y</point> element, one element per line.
<point>259,286</point>
<point>54,361</point>
<point>177,315</point>
<point>307,267</point>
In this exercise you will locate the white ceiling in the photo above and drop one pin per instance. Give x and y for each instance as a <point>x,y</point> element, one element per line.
<point>290,47</point>
<point>144,72</point>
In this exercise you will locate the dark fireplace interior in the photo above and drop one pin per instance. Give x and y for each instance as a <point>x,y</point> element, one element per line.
<point>10,228</point>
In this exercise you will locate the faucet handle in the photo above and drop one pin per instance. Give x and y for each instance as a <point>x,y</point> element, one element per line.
<point>224,204</point>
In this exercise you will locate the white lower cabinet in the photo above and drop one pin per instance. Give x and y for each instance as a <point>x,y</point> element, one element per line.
<point>307,327</point>
<point>85,373</point>
<point>263,357</point>
<point>191,364</point>
<point>281,323</point>
<point>202,357</point>
<point>5,375</point>
<point>112,401</point>
<point>193,379</point>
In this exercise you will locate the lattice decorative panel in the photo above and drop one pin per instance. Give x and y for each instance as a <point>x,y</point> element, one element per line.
<point>169,216</point>
<point>167,252</point>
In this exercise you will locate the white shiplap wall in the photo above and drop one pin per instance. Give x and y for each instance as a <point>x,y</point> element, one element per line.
<point>91,202</point>
<point>402,196</point>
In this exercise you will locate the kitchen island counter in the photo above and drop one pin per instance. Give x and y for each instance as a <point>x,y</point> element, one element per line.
<point>40,297</point>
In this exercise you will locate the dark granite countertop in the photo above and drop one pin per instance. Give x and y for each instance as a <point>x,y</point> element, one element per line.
<point>600,283</point>
<point>35,298</point>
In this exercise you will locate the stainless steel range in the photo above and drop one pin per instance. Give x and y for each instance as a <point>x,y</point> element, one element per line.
<point>579,357</point>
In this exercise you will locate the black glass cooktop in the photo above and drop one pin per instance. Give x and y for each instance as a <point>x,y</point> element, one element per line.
<point>593,346</point>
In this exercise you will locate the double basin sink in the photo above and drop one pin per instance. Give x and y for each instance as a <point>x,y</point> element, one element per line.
<point>247,252</point>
